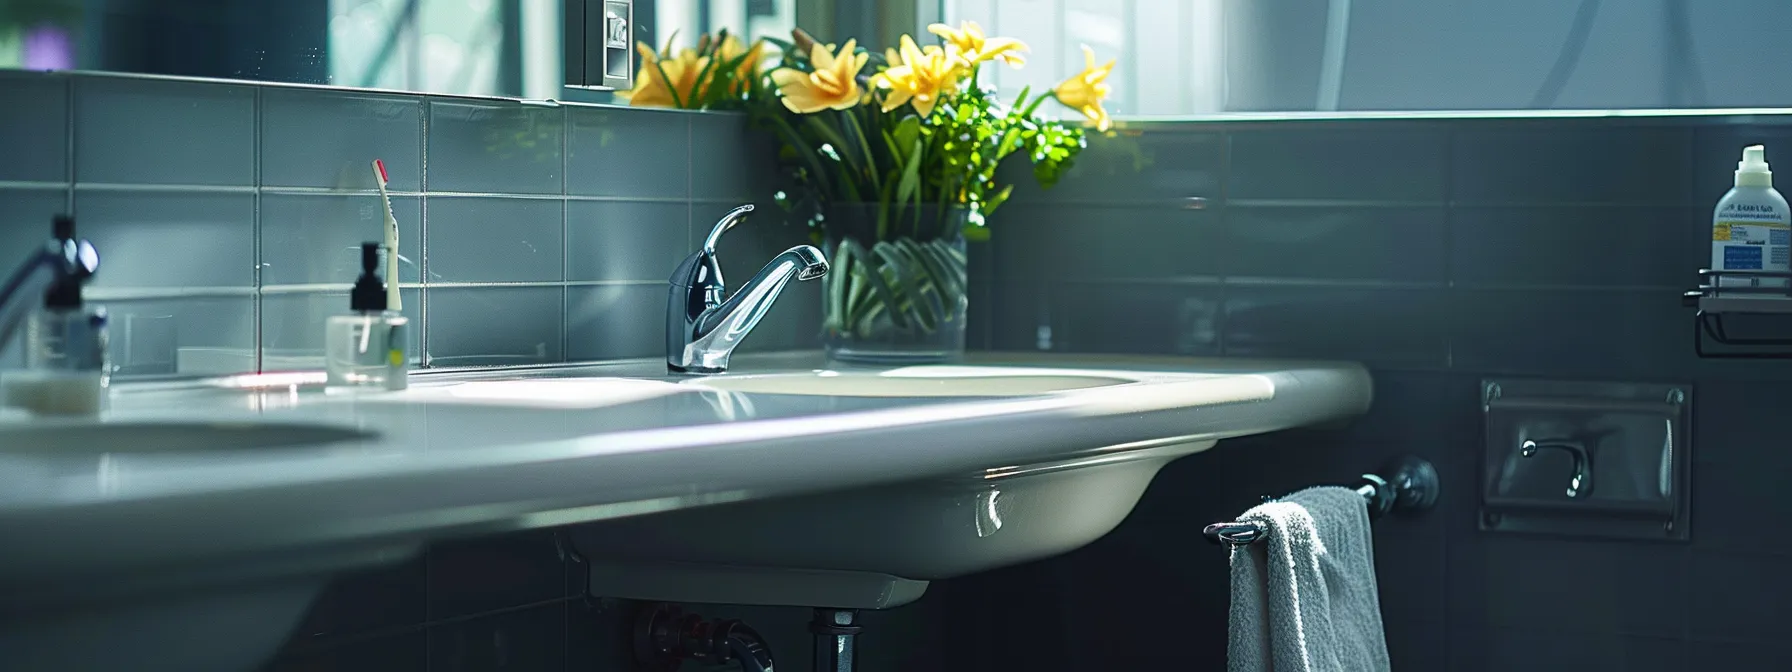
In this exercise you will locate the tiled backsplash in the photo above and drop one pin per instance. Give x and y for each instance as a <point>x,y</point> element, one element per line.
<point>1440,252</point>
<point>1540,246</point>
<point>227,216</point>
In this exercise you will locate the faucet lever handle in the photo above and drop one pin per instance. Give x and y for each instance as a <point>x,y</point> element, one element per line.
<point>727,222</point>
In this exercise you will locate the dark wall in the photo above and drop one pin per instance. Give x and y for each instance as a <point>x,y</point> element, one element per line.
<point>1439,252</point>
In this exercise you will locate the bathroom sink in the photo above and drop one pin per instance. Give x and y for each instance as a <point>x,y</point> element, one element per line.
<point>915,381</point>
<point>166,437</point>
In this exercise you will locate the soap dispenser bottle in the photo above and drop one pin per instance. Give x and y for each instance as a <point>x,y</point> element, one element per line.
<point>366,347</point>
<point>66,367</point>
<point>1751,228</point>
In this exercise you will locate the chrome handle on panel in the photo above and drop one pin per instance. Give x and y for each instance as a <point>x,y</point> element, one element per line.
<point>1580,483</point>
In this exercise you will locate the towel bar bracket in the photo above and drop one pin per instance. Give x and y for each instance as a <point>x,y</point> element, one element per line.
<point>1406,483</point>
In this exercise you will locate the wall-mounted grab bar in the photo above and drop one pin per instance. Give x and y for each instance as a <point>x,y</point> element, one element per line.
<point>1406,484</point>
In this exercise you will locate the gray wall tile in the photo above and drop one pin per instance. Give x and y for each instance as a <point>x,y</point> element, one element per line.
<point>25,216</point>
<point>729,160</point>
<point>189,337</point>
<point>1401,328</point>
<point>494,326</point>
<point>157,132</point>
<point>626,240</point>
<point>1376,163</point>
<point>1599,334</point>
<point>34,127</point>
<point>1400,244</point>
<point>292,327</point>
<point>1157,167</point>
<point>1503,650</point>
<point>1136,318</point>
<point>530,639</point>
<point>1733,654</point>
<point>495,239</point>
<point>356,603</point>
<point>1593,246</point>
<point>403,652</point>
<point>495,147</point>
<point>1017,311</point>
<point>482,575</point>
<point>617,321</point>
<point>326,139</point>
<point>1086,242</point>
<point>1563,585</point>
<point>316,238</point>
<point>169,239</point>
<point>1750,596</point>
<point>629,152</point>
<point>1564,162</point>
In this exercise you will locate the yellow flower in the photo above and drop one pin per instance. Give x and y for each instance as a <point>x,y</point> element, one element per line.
<point>969,39</point>
<point>1085,91</point>
<point>731,48</point>
<point>652,89</point>
<point>923,77</point>
<point>834,85</point>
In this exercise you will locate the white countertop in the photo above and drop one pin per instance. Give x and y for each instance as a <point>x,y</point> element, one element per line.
<point>449,464</point>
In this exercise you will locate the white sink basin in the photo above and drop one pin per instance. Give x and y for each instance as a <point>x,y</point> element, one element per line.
<point>918,381</point>
<point>875,548</point>
<point>166,437</point>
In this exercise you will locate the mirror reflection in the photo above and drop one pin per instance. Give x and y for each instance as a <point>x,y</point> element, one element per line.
<point>468,47</point>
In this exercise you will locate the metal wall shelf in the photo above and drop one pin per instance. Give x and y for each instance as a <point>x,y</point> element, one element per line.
<point>1724,294</point>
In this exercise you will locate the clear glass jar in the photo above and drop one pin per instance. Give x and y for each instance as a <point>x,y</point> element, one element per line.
<point>897,287</point>
<point>67,370</point>
<point>367,350</point>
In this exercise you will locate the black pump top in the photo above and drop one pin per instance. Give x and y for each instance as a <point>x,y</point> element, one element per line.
<point>65,293</point>
<point>369,293</point>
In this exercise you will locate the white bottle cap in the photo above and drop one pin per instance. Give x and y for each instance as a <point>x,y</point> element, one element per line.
<point>1752,170</point>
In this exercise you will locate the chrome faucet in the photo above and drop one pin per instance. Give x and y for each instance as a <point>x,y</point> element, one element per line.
<point>702,329</point>
<point>61,259</point>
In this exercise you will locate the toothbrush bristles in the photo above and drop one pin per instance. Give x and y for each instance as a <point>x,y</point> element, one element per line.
<point>380,166</point>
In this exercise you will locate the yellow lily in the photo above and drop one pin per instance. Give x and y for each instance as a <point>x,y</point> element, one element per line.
<point>834,84</point>
<point>976,48</point>
<point>923,78</point>
<point>731,48</point>
<point>681,73</point>
<point>1084,91</point>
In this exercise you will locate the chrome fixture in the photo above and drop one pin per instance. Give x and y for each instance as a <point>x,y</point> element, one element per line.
<point>1581,481</point>
<point>1406,483</point>
<point>58,260</point>
<point>702,329</point>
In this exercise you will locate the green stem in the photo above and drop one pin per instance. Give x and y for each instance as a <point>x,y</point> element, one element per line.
<point>865,144</point>
<point>677,100</point>
<point>832,136</point>
<point>796,140</point>
<point>1036,101</point>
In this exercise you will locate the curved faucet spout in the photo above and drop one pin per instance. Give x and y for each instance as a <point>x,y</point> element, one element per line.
<point>702,329</point>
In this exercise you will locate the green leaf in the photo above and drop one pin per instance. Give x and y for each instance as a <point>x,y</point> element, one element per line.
<point>911,175</point>
<point>908,131</point>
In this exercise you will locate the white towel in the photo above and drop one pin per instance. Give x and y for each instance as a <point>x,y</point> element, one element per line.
<point>1303,596</point>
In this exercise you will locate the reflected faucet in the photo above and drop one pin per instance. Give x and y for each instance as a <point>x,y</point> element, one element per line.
<point>702,329</point>
<point>58,260</point>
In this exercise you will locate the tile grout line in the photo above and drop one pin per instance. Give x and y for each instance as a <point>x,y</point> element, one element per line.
<point>423,293</point>
<point>68,93</point>
<point>566,128</point>
<point>255,306</point>
<point>1451,322</point>
<point>1222,316</point>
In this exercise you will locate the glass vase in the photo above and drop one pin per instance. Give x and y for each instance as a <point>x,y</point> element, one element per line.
<point>897,288</point>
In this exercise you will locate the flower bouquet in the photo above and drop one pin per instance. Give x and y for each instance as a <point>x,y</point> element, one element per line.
<point>891,161</point>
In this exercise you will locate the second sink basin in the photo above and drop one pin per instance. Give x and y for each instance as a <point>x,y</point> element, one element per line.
<point>166,437</point>
<point>916,381</point>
